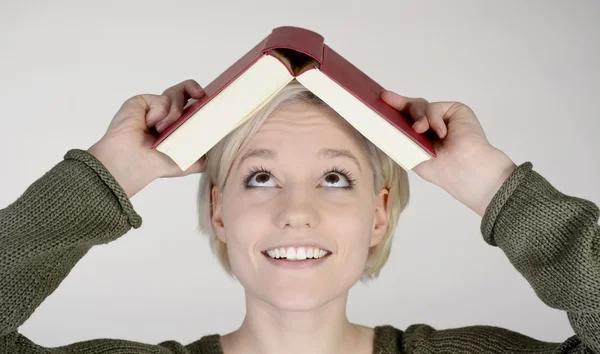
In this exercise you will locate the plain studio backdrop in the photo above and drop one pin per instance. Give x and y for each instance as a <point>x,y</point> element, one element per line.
<point>529,69</point>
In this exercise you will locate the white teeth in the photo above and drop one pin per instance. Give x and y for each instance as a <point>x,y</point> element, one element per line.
<point>300,253</point>
<point>291,254</point>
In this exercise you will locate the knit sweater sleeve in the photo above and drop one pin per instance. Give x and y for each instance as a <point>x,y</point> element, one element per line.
<point>45,232</point>
<point>553,240</point>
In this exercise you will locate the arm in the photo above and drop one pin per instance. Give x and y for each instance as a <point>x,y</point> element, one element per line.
<point>45,232</point>
<point>83,201</point>
<point>553,240</point>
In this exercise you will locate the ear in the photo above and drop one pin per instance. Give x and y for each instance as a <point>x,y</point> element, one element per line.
<point>217,213</point>
<point>380,220</point>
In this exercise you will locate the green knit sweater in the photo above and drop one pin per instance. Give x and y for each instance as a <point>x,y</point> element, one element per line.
<point>552,239</point>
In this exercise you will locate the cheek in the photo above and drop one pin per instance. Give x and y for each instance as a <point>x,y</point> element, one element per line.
<point>354,220</point>
<point>354,229</point>
<point>241,217</point>
<point>354,238</point>
<point>244,227</point>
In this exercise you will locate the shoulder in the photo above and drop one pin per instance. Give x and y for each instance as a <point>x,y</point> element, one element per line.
<point>208,344</point>
<point>422,338</point>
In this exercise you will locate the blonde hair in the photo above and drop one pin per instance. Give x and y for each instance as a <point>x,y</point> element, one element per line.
<point>219,160</point>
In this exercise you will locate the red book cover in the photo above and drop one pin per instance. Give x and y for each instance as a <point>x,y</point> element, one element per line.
<point>329,62</point>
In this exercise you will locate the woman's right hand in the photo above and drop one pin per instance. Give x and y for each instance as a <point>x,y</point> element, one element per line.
<point>125,147</point>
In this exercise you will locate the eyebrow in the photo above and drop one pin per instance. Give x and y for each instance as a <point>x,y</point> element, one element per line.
<point>325,153</point>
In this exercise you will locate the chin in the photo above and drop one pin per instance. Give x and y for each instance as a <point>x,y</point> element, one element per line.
<point>296,299</point>
<point>296,294</point>
<point>297,288</point>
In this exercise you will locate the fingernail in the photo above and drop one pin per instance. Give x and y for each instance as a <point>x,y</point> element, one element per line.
<point>150,122</point>
<point>159,126</point>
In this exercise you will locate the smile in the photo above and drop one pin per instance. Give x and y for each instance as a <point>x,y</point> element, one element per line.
<point>296,253</point>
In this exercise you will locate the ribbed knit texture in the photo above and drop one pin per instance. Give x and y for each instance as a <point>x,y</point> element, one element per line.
<point>552,239</point>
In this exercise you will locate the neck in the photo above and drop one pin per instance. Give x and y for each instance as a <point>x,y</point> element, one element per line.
<point>326,329</point>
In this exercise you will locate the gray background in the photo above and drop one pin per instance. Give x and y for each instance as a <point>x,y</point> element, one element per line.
<point>529,69</point>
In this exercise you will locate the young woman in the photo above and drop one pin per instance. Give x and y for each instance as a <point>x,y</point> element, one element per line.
<point>298,206</point>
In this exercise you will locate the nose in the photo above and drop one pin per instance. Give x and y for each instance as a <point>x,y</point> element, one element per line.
<point>296,209</point>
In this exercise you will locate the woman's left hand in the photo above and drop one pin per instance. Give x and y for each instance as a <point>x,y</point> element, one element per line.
<point>467,166</point>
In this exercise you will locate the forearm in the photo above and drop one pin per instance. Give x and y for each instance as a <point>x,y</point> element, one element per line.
<point>482,173</point>
<point>552,239</point>
<point>131,172</point>
<point>43,234</point>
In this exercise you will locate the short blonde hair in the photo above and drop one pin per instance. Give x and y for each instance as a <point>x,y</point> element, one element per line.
<point>219,160</point>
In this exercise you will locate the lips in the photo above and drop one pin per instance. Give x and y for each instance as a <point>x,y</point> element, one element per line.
<point>296,253</point>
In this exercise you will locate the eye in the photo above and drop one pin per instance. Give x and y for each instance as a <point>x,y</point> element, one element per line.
<point>335,178</point>
<point>340,178</point>
<point>261,179</point>
<point>258,177</point>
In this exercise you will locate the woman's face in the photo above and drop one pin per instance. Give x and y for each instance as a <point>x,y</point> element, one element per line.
<point>299,212</point>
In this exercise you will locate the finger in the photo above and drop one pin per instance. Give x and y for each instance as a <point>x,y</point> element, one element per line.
<point>190,87</point>
<point>146,106</point>
<point>414,108</point>
<point>179,95</point>
<point>441,114</point>
<point>435,115</point>
<point>394,99</point>
<point>157,107</point>
<point>417,108</point>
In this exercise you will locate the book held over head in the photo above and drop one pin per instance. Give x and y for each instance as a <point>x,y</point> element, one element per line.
<point>291,53</point>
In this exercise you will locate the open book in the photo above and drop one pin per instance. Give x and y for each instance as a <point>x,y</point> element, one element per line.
<point>290,53</point>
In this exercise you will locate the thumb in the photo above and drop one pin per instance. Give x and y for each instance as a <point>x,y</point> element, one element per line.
<point>198,167</point>
<point>175,171</point>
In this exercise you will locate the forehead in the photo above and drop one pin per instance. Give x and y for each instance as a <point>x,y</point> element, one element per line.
<point>304,124</point>
<point>303,133</point>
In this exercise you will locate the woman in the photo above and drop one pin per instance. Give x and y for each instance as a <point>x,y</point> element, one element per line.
<point>298,207</point>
